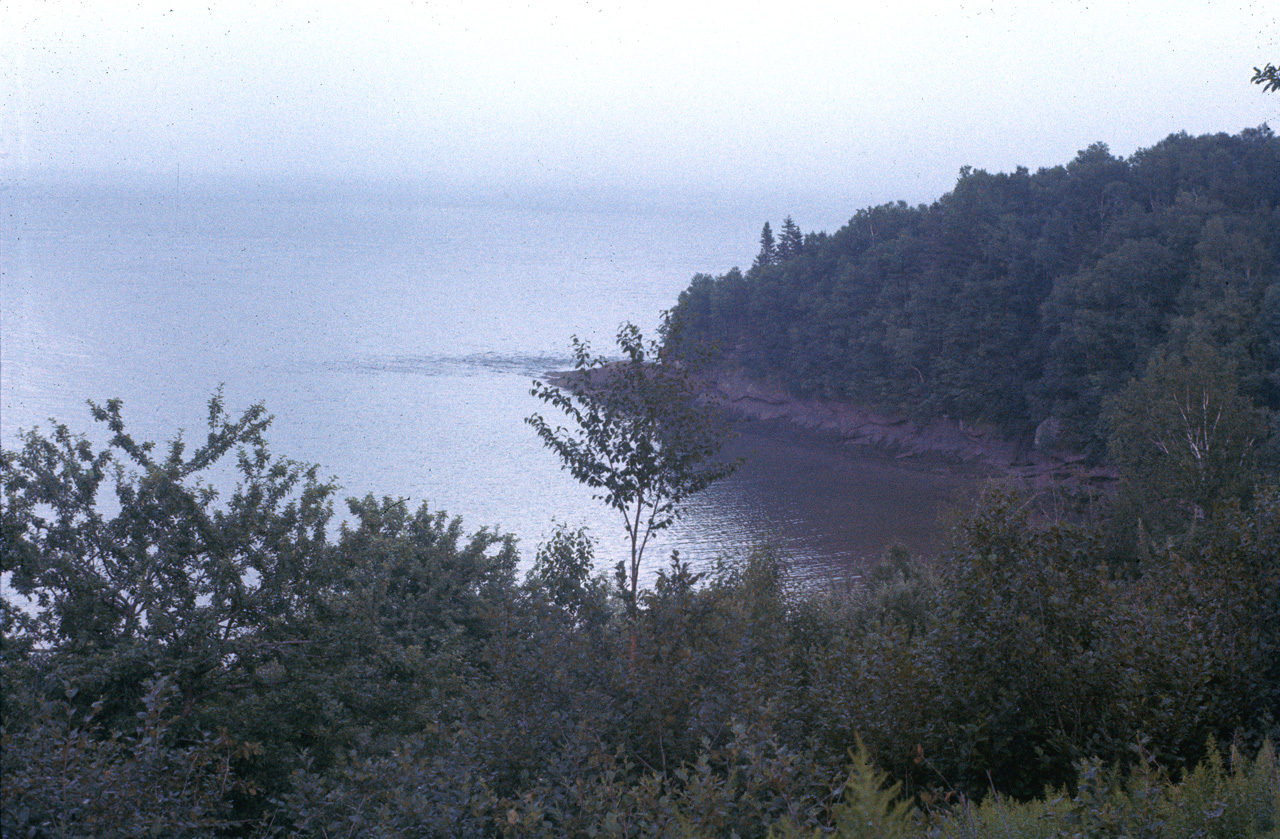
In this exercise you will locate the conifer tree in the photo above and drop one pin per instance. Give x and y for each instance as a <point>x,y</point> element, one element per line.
<point>768,249</point>
<point>791,243</point>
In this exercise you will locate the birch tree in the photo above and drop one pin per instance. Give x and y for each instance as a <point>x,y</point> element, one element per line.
<point>1183,436</point>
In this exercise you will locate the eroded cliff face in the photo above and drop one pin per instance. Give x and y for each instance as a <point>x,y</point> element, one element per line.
<point>943,438</point>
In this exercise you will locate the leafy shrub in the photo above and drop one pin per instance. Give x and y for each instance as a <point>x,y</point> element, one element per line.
<point>63,775</point>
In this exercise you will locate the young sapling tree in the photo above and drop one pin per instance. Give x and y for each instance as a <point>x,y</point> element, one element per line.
<point>638,434</point>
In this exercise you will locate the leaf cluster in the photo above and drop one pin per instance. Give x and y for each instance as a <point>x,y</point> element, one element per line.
<point>1268,77</point>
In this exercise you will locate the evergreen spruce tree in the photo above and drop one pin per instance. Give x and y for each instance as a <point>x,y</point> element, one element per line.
<point>791,243</point>
<point>768,249</point>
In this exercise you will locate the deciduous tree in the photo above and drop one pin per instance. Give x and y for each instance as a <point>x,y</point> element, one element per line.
<point>639,436</point>
<point>169,579</point>
<point>1183,436</point>
<point>1268,77</point>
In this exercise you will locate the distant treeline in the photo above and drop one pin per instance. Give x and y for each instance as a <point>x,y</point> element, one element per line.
<point>1020,297</point>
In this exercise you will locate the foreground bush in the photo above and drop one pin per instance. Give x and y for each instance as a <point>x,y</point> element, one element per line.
<point>64,776</point>
<point>1235,800</point>
<point>1036,655</point>
<point>1239,800</point>
<point>400,680</point>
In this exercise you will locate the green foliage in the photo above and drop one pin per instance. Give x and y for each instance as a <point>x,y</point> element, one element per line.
<point>1034,655</point>
<point>639,435</point>
<point>1268,77</point>
<point>1239,801</point>
<point>398,680</point>
<point>64,776</point>
<point>791,242</point>
<point>871,806</point>
<point>164,579</point>
<point>768,247</point>
<point>743,789</point>
<point>259,623</point>
<point>899,592</point>
<point>1022,296</point>
<point>1184,438</point>
<point>562,574</point>
<point>414,579</point>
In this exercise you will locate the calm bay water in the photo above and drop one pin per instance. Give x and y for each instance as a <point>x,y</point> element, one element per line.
<point>394,338</point>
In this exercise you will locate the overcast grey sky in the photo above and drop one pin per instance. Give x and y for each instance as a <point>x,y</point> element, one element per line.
<point>865,101</point>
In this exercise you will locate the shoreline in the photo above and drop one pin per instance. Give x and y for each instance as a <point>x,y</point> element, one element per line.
<point>941,439</point>
<point>939,442</point>
<point>857,481</point>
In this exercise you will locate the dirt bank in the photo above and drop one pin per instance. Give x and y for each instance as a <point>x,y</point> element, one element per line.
<point>941,438</point>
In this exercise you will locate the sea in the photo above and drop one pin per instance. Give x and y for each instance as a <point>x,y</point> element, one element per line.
<point>394,333</point>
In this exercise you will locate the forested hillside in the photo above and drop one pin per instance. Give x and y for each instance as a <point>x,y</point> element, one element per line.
<point>1024,297</point>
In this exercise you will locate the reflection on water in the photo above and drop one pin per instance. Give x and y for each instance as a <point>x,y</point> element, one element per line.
<point>832,508</point>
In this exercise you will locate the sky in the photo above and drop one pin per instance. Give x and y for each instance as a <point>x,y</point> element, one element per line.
<point>858,103</point>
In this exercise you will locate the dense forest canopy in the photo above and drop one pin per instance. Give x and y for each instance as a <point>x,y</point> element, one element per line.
<point>1020,297</point>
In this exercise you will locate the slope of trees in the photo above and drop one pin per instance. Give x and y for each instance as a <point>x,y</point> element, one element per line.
<point>1023,296</point>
